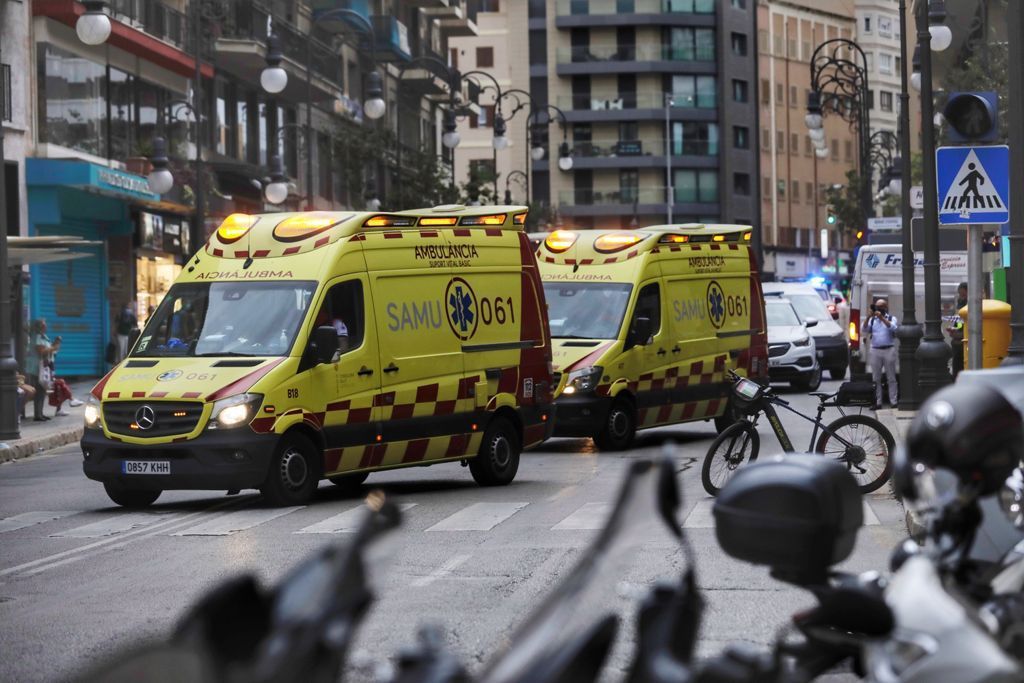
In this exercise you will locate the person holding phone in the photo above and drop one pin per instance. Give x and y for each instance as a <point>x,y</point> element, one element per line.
<point>881,327</point>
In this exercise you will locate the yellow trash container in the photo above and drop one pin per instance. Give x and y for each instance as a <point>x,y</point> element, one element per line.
<point>995,341</point>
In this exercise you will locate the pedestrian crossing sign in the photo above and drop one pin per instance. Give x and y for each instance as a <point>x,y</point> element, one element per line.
<point>973,184</point>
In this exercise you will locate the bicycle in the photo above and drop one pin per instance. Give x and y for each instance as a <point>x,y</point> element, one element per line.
<point>860,441</point>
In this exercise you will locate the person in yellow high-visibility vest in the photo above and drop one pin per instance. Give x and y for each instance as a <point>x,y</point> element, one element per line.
<point>956,330</point>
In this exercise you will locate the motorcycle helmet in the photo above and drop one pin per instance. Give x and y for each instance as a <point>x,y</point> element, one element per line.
<point>971,430</point>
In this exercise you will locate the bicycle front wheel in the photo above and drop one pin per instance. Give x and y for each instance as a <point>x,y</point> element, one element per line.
<point>737,444</point>
<point>863,445</point>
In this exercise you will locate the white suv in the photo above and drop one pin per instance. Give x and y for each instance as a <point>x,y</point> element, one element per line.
<point>792,354</point>
<point>830,339</point>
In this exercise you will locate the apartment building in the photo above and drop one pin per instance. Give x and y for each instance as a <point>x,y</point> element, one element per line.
<point>98,108</point>
<point>656,99</point>
<point>793,177</point>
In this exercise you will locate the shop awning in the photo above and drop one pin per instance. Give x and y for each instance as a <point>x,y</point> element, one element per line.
<point>26,251</point>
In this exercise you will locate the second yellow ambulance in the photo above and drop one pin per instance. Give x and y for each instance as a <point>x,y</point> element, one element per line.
<point>646,323</point>
<point>331,344</point>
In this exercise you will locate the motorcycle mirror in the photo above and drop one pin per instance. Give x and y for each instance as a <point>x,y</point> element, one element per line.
<point>857,610</point>
<point>903,472</point>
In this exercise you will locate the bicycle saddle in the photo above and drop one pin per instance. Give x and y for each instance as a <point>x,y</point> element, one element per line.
<point>821,394</point>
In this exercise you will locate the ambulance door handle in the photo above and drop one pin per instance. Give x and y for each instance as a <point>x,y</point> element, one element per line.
<point>365,371</point>
<point>391,368</point>
<point>662,352</point>
<point>676,350</point>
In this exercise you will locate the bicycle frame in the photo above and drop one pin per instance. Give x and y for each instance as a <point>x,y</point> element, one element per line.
<point>768,408</point>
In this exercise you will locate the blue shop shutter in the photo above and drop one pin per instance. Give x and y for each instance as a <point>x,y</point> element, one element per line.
<point>71,296</point>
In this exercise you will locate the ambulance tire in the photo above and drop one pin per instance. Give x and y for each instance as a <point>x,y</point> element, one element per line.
<point>619,427</point>
<point>498,460</point>
<point>131,498</point>
<point>294,472</point>
<point>350,484</point>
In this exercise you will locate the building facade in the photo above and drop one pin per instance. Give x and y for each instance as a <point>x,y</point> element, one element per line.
<point>794,179</point>
<point>656,101</point>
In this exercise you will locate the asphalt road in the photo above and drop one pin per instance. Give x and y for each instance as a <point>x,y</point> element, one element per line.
<point>80,578</point>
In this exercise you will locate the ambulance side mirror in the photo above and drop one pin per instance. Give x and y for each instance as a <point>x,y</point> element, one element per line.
<point>324,344</point>
<point>640,333</point>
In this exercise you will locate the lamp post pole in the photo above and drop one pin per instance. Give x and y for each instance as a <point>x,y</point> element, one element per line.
<point>909,331</point>
<point>8,364</point>
<point>669,191</point>
<point>933,353</point>
<point>1015,354</point>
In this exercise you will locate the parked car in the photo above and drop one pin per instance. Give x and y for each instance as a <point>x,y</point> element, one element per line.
<point>829,338</point>
<point>791,349</point>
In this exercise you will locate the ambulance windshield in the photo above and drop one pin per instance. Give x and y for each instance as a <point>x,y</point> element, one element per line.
<point>586,310</point>
<point>227,319</point>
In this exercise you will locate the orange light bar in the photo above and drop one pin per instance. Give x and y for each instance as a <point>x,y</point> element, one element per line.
<point>304,226</point>
<point>560,240</point>
<point>234,227</point>
<point>520,218</point>
<point>617,241</point>
<point>718,238</point>
<point>853,331</point>
<point>389,222</point>
<point>496,219</point>
<point>674,239</point>
<point>450,220</point>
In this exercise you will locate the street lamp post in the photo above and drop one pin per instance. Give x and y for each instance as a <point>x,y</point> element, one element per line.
<point>933,353</point>
<point>536,131</point>
<point>8,364</point>
<point>1015,354</point>
<point>160,178</point>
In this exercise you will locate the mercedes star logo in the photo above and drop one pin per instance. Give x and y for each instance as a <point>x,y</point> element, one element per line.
<point>145,417</point>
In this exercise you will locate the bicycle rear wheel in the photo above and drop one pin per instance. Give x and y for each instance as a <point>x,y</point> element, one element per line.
<point>734,446</point>
<point>868,453</point>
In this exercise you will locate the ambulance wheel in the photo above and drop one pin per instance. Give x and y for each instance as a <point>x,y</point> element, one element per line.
<point>294,472</point>
<point>131,498</point>
<point>349,483</point>
<point>619,427</point>
<point>498,460</point>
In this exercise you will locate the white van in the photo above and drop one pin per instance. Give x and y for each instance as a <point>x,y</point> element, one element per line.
<point>879,273</point>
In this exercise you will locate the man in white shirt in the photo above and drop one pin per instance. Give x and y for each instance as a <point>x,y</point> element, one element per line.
<point>882,326</point>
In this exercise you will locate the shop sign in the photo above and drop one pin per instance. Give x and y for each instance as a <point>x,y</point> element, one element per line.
<point>119,181</point>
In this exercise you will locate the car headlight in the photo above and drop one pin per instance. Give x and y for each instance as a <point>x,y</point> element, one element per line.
<point>92,413</point>
<point>583,380</point>
<point>806,341</point>
<point>234,411</point>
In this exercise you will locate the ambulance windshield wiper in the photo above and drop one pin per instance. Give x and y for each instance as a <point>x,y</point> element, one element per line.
<point>569,336</point>
<point>213,354</point>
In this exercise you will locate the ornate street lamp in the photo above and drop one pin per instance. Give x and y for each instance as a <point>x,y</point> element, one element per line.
<point>276,189</point>
<point>274,78</point>
<point>93,27</point>
<point>160,178</point>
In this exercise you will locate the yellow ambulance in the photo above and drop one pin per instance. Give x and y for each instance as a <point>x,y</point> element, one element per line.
<point>646,323</point>
<point>298,346</point>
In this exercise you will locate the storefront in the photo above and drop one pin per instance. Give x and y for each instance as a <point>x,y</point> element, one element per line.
<point>141,254</point>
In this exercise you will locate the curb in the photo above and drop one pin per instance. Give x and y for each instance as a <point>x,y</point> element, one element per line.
<point>897,421</point>
<point>23,448</point>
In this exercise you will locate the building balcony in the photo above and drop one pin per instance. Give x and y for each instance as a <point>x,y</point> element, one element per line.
<point>629,59</point>
<point>359,7</point>
<point>639,201</point>
<point>155,18</point>
<point>391,39</point>
<point>647,153</point>
<point>638,107</point>
<point>596,13</point>
<point>456,17</point>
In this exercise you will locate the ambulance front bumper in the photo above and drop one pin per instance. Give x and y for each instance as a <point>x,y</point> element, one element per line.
<point>215,460</point>
<point>580,414</point>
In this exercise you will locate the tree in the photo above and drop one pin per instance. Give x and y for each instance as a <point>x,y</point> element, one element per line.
<point>845,203</point>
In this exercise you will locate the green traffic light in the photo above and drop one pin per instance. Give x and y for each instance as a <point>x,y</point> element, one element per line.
<point>831,219</point>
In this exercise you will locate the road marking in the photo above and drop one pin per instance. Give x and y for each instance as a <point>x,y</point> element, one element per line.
<point>225,525</point>
<point>478,517</point>
<point>59,563</point>
<point>111,525</point>
<point>590,516</point>
<point>870,518</point>
<point>27,519</point>
<point>54,560</point>
<point>344,523</point>
<point>441,572</point>
<point>700,516</point>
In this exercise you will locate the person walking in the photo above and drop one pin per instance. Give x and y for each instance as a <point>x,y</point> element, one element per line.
<point>882,326</point>
<point>124,325</point>
<point>37,366</point>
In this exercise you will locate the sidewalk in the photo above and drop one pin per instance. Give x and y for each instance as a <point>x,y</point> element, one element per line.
<point>898,422</point>
<point>58,431</point>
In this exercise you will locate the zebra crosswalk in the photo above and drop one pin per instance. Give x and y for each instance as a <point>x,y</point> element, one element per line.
<point>471,517</point>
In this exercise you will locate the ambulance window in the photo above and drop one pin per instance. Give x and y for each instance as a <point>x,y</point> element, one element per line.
<point>343,309</point>
<point>648,305</point>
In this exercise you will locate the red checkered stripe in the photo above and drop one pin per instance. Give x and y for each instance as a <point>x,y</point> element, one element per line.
<point>283,250</point>
<point>427,233</point>
<point>187,395</point>
<point>397,453</point>
<point>715,246</point>
<point>687,374</point>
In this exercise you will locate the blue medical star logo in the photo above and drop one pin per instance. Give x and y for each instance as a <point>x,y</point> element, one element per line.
<point>462,305</point>
<point>716,304</point>
<point>461,308</point>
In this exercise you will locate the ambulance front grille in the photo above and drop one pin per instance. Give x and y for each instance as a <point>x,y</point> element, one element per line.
<point>169,418</point>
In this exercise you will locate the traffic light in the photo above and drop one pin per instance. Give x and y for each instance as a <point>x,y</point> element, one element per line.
<point>972,116</point>
<point>862,237</point>
<point>831,217</point>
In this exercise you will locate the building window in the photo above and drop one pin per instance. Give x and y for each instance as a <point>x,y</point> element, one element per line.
<point>6,109</point>
<point>687,6</point>
<point>884,63</point>
<point>739,44</point>
<point>740,91</point>
<point>762,41</point>
<point>781,189</point>
<point>885,100</point>
<point>766,91</point>
<point>796,190</point>
<point>695,138</point>
<point>848,150</point>
<point>867,23</point>
<point>766,140</point>
<point>538,51</point>
<point>739,4</point>
<point>453,57</point>
<point>835,150</point>
<point>809,192</point>
<point>806,51</point>
<point>780,142</point>
<point>741,184</point>
<point>741,137</point>
<point>485,57</point>
<point>884,26</point>
<point>793,100</point>
<point>871,99</point>
<point>629,185</point>
<point>808,146</point>
<point>481,170</point>
<point>695,186</point>
<point>490,5</point>
<point>690,44</point>
<point>694,91</point>
<point>794,143</point>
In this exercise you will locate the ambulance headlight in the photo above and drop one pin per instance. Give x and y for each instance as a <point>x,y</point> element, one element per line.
<point>583,380</point>
<point>92,413</point>
<point>235,411</point>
